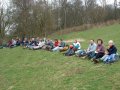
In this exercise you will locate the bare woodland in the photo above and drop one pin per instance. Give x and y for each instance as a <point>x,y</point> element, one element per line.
<point>32,18</point>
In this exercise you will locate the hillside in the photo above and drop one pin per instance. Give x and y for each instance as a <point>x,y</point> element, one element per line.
<point>22,69</point>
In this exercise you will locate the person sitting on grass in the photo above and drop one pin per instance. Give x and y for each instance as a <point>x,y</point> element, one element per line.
<point>41,43</point>
<point>65,48</point>
<point>89,53</point>
<point>60,47</point>
<point>18,42</point>
<point>110,54</point>
<point>32,43</point>
<point>70,51</point>
<point>25,43</point>
<point>76,46</point>
<point>56,43</point>
<point>100,51</point>
<point>11,43</point>
<point>53,45</point>
<point>14,42</point>
<point>48,45</point>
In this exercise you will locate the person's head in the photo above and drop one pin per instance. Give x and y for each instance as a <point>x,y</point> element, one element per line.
<point>56,40</point>
<point>40,39</point>
<point>75,41</point>
<point>25,39</point>
<point>91,41</point>
<point>111,43</point>
<point>99,41</point>
<point>33,39</point>
<point>61,40</point>
<point>37,38</point>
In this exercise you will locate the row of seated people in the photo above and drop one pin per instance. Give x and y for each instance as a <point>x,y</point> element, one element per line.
<point>49,45</point>
<point>96,52</point>
<point>11,43</point>
<point>36,43</point>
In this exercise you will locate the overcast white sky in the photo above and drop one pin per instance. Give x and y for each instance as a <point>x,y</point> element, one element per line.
<point>108,1</point>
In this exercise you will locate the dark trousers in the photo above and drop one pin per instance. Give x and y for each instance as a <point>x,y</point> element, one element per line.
<point>99,55</point>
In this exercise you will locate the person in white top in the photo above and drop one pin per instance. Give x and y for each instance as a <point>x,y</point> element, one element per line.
<point>40,45</point>
<point>77,46</point>
<point>13,42</point>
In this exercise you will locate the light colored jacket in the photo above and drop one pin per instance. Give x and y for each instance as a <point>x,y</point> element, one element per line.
<point>78,45</point>
<point>92,47</point>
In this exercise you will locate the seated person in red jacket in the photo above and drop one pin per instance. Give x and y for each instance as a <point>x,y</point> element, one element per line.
<point>60,47</point>
<point>56,43</point>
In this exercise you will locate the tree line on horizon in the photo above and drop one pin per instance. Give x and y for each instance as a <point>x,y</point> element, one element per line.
<point>43,17</point>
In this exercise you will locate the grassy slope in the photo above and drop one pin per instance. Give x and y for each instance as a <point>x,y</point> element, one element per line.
<point>41,70</point>
<point>106,33</point>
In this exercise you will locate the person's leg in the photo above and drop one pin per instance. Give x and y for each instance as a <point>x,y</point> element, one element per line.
<point>67,52</point>
<point>111,58</point>
<point>64,49</point>
<point>55,49</point>
<point>72,52</point>
<point>98,56</point>
<point>49,48</point>
<point>31,47</point>
<point>90,55</point>
<point>78,53</point>
<point>94,56</point>
<point>83,54</point>
<point>44,47</point>
<point>60,48</point>
<point>104,57</point>
<point>36,47</point>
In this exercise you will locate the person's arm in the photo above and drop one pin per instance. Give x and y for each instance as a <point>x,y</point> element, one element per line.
<point>113,51</point>
<point>93,48</point>
<point>102,50</point>
<point>88,49</point>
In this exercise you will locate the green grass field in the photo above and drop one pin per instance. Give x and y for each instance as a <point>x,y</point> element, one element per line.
<point>42,70</point>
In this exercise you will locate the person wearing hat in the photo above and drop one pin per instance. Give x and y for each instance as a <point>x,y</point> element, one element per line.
<point>110,52</point>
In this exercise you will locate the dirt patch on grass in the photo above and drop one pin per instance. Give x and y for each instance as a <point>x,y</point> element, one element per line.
<point>72,40</point>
